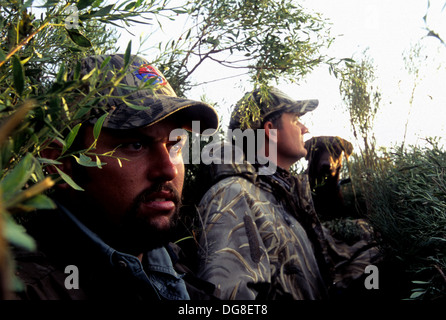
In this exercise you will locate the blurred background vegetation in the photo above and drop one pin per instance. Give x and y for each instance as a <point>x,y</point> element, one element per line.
<point>400,190</point>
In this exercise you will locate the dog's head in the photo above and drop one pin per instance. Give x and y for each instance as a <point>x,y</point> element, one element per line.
<point>324,154</point>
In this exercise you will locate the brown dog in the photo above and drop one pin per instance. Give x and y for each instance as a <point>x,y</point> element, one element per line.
<point>325,156</point>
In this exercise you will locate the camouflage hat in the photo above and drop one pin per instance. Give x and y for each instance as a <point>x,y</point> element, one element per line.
<point>275,102</point>
<point>143,96</point>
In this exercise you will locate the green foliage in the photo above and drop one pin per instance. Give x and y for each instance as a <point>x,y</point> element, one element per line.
<point>272,39</point>
<point>402,191</point>
<point>408,210</point>
<point>345,229</point>
<point>39,54</point>
<point>404,198</point>
<point>268,40</point>
<point>362,101</point>
<point>40,102</point>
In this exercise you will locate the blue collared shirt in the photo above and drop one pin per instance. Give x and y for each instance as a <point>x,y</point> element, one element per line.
<point>158,271</point>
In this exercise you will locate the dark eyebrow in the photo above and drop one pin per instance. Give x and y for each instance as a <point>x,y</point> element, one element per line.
<point>124,134</point>
<point>137,134</point>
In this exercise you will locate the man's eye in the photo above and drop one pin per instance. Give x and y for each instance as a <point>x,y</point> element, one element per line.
<point>134,146</point>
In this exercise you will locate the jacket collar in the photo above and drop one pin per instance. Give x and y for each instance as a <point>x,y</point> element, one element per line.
<point>158,269</point>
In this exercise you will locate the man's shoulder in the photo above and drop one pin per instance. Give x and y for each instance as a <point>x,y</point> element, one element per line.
<point>40,277</point>
<point>230,187</point>
<point>32,266</point>
<point>236,195</point>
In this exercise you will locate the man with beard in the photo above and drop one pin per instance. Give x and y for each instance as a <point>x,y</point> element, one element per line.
<point>111,240</point>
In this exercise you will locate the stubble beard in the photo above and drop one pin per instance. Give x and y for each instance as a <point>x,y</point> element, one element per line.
<point>140,234</point>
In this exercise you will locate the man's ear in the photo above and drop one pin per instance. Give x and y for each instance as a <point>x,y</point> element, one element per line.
<point>270,131</point>
<point>52,152</point>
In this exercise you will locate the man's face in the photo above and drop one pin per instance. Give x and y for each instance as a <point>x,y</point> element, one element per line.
<point>290,144</point>
<point>137,197</point>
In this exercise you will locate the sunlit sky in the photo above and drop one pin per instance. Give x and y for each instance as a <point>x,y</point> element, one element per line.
<point>387,30</point>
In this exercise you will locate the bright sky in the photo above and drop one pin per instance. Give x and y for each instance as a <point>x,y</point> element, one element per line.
<point>387,29</point>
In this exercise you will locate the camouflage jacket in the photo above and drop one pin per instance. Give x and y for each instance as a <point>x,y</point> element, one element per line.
<point>262,238</point>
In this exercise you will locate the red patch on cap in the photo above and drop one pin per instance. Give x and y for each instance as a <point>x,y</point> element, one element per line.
<point>146,72</point>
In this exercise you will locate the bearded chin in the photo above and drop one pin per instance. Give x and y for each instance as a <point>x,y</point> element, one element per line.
<point>141,235</point>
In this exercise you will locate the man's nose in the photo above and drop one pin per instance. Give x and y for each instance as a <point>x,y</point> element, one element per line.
<point>161,165</point>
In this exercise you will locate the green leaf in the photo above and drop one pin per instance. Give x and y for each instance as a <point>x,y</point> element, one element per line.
<point>68,180</point>
<point>416,294</point>
<point>180,11</point>
<point>420,282</point>
<point>98,126</point>
<point>188,33</point>
<point>60,74</point>
<point>16,234</point>
<point>103,11</point>
<point>37,174</point>
<point>99,163</point>
<point>70,138</point>
<point>82,4</point>
<point>48,161</point>
<point>81,112</point>
<point>134,106</point>
<point>18,75</point>
<point>40,201</point>
<point>2,55</point>
<point>105,62</point>
<point>49,4</point>
<point>84,160</point>
<point>127,54</point>
<point>16,179</point>
<point>78,38</point>
<point>77,71</point>
<point>27,4</point>
<point>59,87</point>
<point>129,6</point>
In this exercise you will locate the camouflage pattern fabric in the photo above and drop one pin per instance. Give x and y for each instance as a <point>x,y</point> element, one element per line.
<point>142,97</point>
<point>262,239</point>
<point>351,260</point>
<point>252,246</point>
<point>274,101</point>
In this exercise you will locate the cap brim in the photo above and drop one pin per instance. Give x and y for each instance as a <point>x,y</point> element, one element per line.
<point>301,107</point>
<point>190,111</point>
<point>160,107</point>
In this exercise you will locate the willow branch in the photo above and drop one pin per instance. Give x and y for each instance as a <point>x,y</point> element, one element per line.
<point>23,43</point>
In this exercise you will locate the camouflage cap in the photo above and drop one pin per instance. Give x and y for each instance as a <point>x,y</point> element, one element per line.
<point>274,102</point>
<point>143,96</point>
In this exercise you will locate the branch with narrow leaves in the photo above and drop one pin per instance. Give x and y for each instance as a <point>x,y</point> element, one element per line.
<point>23,43</point>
